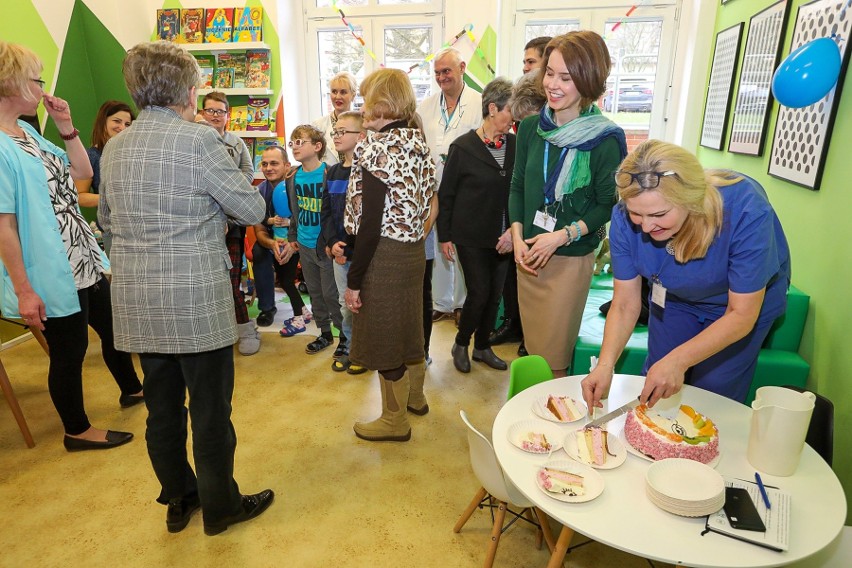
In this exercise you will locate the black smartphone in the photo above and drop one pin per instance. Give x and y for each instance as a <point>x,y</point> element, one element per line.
<point>740,510</point>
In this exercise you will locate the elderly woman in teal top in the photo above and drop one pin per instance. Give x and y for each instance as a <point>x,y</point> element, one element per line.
<point>52,274</point>
<point>562,193</point>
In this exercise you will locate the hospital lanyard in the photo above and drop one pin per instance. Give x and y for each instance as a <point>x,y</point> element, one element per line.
<point>658,291</point>
<point>544,165</point>
<point>443,105</point>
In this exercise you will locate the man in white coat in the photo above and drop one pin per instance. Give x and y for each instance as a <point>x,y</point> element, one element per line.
<point>446,115</point>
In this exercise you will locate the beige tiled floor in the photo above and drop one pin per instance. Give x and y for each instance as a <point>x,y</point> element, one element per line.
<point>339,501</point>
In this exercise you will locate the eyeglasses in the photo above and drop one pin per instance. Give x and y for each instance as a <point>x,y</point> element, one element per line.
<point>40,82</point>
<point>646,180</point>
<point>214,112</point>
<point>298,143</point>
<point>341,132</point>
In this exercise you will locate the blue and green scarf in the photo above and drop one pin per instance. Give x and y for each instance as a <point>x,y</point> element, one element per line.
<point>578,137</point>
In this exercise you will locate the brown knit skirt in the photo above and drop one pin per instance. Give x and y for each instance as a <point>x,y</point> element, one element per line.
<point>552,306</point>
<point>388,330</point>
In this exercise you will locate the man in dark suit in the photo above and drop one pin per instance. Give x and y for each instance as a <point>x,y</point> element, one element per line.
<point>168,188</point>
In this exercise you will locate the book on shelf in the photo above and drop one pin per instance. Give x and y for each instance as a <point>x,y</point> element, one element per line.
<point>263,144</point>
<point>219,26</point>
<point>248,24</point>
<point>258,113</point>
<point>776,518</point>
<point>238,62</point>
<point>249,142</point>
<point>257,69</point>
<point>192,25</point>
<point>207,63</point>
<point>225,71</point>
<point>168,24</point>
<point>238,119</point>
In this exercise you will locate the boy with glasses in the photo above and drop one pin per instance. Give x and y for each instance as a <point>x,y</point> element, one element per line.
<point>307,186</point>
<point>347,133</point>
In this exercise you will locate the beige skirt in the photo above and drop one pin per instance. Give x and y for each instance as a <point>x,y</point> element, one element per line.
<point>388,330</point>
<point>552,306</point>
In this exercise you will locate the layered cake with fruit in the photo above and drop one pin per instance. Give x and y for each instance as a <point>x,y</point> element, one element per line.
<point>688,435</point>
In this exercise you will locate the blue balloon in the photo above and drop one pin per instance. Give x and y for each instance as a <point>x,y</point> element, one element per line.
<point>808,74</point>
<point>280,201</point>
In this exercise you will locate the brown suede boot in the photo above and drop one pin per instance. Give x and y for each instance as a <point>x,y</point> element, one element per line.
<point>392,425</point>
<point>416,398</point>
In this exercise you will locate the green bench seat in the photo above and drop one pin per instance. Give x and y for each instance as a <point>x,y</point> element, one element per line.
<point>777,364</point>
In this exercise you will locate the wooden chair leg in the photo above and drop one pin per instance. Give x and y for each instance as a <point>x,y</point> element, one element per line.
<point>543,520</point>
<point>39,336</point>
<point>528,513</point>
<point>496,531</point>
<point>480,495</point>
<point>561,548</point>
<point>16,408</point>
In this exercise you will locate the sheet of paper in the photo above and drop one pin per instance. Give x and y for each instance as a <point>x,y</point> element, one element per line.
<point>776,518</point>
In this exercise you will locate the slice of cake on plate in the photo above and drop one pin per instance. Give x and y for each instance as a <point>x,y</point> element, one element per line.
<point>564,482</point>
<point>593,446</point>
<point>535,442</point>
<point>564,408</point>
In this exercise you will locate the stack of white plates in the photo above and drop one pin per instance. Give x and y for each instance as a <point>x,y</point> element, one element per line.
<point>685,487</point>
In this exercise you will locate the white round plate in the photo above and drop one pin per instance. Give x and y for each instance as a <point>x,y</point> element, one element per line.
<point>592,481</point>
<point>613,442</point>
<point>623,437</point>
<point>685,480</point>
<point>539,408</point>
<point>518,433</point>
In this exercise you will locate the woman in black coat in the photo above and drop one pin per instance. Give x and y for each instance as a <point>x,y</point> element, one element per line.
<point>473,220</point>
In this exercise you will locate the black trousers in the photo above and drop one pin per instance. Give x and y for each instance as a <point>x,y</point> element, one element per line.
<point>427,306</point>
<point>68,339</point>
<point>484,273</point>
<point>209,379</point>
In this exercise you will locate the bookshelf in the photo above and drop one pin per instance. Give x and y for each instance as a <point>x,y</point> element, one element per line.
<point>225,46</point>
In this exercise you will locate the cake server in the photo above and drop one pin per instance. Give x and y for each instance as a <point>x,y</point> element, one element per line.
<point>613,415</point>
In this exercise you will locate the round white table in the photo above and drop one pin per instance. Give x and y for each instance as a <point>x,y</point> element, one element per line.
<point>624,518</point>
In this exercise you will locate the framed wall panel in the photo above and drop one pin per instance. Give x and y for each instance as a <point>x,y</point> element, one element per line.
<point>754,95</point>
<point>719,91</point>
<point>802,135</point>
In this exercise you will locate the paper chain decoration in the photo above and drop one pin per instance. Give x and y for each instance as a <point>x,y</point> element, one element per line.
<point>466,31</point>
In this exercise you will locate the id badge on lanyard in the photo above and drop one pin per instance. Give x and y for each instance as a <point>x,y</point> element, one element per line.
<point>542,218</point>
<point>658,292</point>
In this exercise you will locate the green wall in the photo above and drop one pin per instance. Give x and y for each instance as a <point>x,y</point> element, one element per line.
<point>820,249</point>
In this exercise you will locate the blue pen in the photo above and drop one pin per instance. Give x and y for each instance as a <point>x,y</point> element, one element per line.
<point>762,490</point>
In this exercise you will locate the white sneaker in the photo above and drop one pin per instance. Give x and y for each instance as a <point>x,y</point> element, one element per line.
<point>249,338</point>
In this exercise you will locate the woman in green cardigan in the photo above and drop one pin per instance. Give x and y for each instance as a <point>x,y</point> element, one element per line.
<point>562,193</point>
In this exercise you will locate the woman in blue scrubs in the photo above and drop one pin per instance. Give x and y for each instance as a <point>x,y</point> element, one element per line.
<point>718,262</point>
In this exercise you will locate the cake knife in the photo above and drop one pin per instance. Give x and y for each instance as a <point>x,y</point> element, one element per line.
<point>613,415</point>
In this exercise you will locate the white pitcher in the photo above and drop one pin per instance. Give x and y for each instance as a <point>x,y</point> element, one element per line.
<point>779,425</point>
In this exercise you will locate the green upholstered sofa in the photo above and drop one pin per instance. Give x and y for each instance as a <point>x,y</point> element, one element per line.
<point>777,364</point>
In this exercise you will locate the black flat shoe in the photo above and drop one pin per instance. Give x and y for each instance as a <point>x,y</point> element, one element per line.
<point>509,332</point>
<point>113,439</point>
<point>250,507</point>
<point>488,357</point>
<point>522,350</point>
<point>128,400</point>
<point>461,361</point>
<point>180,512</point>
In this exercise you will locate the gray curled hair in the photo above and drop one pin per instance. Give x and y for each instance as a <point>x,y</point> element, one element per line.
<point>160,74</point>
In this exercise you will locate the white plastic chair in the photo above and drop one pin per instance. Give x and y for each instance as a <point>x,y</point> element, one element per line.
<point>495,487</point>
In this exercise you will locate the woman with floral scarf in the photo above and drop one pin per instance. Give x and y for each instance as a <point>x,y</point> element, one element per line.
<point>562,193</point>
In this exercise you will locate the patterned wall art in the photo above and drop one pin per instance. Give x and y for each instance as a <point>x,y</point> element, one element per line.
<point>802,135</point>
<point>721,87</point>
<point>754,96</point>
